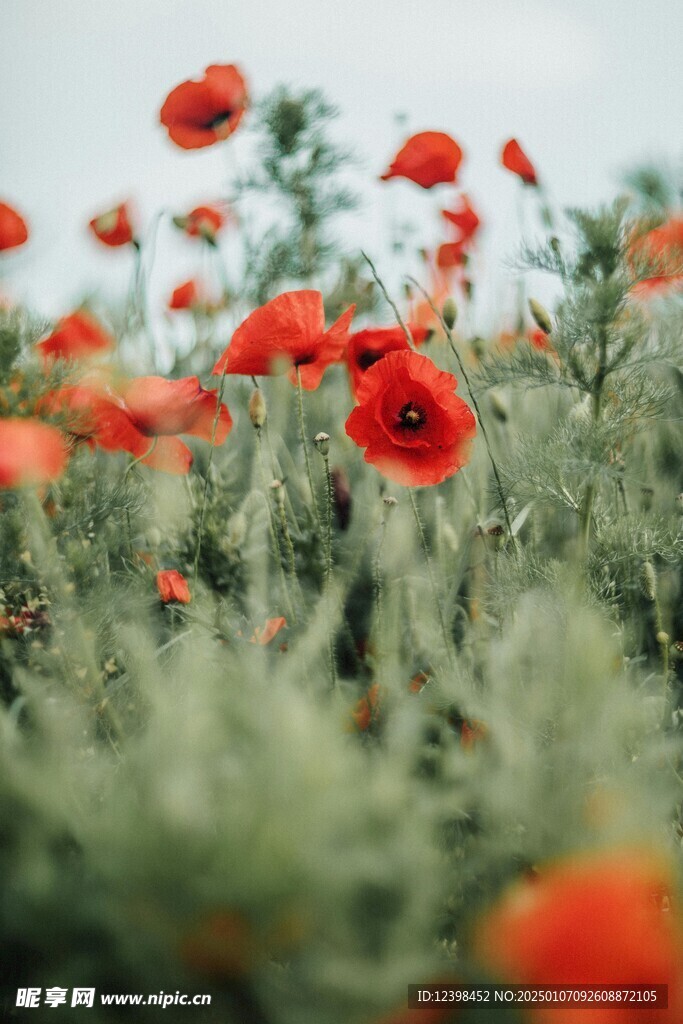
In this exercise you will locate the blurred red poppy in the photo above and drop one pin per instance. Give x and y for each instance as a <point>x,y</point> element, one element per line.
<point>114,227</point>
<point>77,336</point>
<point>289,331</point>
<point>428,158</point>
<point>202,222</point>
<point>593,920</point>
<point>31,453</point>
<point>173,586</point>
<point>186,296</point>
<point>514,159</point>
<point>160,407</point>
<point>13,228</point>
<point>657,259</point>
<point>367,709</point>
<point>415,430</point>
<point>451,254</point>
<point>464,218</point>
<point>270,630</point>
<point>367,347</point>
<point>199,113</point>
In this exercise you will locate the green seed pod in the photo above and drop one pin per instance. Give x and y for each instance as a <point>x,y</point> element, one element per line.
<point>449,312</point>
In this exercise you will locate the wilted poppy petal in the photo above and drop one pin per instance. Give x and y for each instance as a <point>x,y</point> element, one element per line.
<point>515,159</point>
<point>13,229</point>
<point>78,336</point>
<point>31,453</point>
<point>428,158</point>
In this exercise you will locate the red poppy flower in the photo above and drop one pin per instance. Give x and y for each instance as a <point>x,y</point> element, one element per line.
<point>367,709</point>
<point>658,253</point>
<point>173,586</point>
<point>199,113</point>
<point>186,296</point>
<point>78,336</point>
<point>114,227</point>
<point>289,331</point>
<point>31,453</point>
<point>367,347</point>
<point>96,416</point>
<point>597,920</point>
<point>270,630</point>
<point>465,219</point>
<point>202,222</point>
<point>160,407</point>
<point>415,430</point>
<point>13,229</point>
<point>428,159</point>
<point>451,254</point>
<point>514,159</point>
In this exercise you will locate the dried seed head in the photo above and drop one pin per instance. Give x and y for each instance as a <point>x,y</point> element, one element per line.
<point>541,316</point>
<point>648,581</point>
<point>257,409</point>
<point>449,312</point>
<point>322,443</point>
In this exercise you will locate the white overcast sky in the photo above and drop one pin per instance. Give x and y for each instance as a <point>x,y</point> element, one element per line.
<point>590,87</point>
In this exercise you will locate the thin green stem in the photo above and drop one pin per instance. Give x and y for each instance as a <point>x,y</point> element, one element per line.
<point>328,563</point>
<point>430,570</point>
<point>202,511</point>
<point>302,430</point>
<point>475,404</point>
<point>273,532</point>
<point>385,293</point>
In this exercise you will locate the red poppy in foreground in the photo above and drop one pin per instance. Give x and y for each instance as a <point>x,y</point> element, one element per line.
<point>428,158</point>
<point>114,227</point>
<point>160,407</point>
<point>173,586</point>
<point>599,920</point>
<point>31,453</point>
<point>13,229</point>
<point>514,159</point>
<point>659,254</point>
<point>288,332</point>
<point>77,336</point>
<point>199,113</point>
<point>202,222</point>
<point>367,347</point>
<point>415,430</point>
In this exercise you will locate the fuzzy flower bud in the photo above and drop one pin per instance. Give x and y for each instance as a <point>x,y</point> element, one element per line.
<point>389,502</point>
<point>277,487</point>
<point>648,581</point>
<point>499,406</point>
<point>322,443</point>
<point>449,312</point>
<point>257,409</point>
<point>541,316</point>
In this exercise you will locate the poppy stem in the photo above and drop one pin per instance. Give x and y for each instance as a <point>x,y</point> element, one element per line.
<point>205,493</point>
<point>430,570</point>
<point>302,429</point>
<point>463,371</point>
<point>328,563</point>
<point>141,458</point>
<point>273,532</point>
<point>385,293</point>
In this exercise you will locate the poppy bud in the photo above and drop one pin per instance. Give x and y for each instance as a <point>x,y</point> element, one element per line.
<point>662,638</point>
<point>277,487</point>
<point>389,502</point>
<point>648,581</point>
<point>180,222</point>
<point>257,409</point>
<point>322,443</point>
<point>499,406</point>
<point>342,497</point>
<point>555,245</point>
<point>541,316</point>
<point>478,346</point>
<point>449,311</point>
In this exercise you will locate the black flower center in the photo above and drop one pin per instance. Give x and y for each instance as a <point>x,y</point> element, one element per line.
<point>368,358</point>
<point>217,122</point>
<point>412,416</point>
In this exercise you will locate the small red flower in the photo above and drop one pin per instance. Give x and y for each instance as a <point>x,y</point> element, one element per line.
<point>202,222</point>
<point>659,254</point>
<point>595,920</point>
<point>160,407</point>
<point>199,113</point>
<point>186,296</point>
<point>289,331</point>
<point>31,453</point>
<point>514,159</point>
<point>270,630</point>
<point>173,586</point>
<point>464,218</point>
<point>114,227</point>
<point>367,347</point>
<point>78,336</point>
<point>451,254</point>
<point>428,158</point>
<point>13,229</point>
<point>415,430</point>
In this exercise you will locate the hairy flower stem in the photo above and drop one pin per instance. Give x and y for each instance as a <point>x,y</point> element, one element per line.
<point>202,511</point>
<point>273,532</point>
<point>328,564</point>
<point>379,586</point>
<point>385,293</point>
<point>477,410</point>
<point>430,570</point>
<point>302,430</point>
<point>586,518</point>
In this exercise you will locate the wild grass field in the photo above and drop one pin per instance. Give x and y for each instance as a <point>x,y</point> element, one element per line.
<point>340,646</point>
